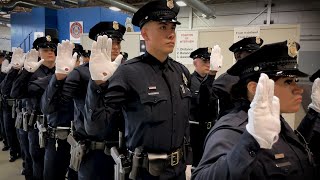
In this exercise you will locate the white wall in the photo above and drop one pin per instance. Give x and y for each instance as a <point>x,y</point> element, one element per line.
<point>5,38</point>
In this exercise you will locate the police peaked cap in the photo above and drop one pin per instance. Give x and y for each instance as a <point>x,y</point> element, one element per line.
<point>277,59</point>
<point>86,53</point>
<point>246,44</point>
<point>203,53</point>
<point>78,49</point>
<point>159,10</point>
<point>45,42</point>
<point>112,29</point>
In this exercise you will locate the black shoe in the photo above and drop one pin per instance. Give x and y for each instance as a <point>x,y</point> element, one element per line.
<point>6,148</point>
<point>13,158</point>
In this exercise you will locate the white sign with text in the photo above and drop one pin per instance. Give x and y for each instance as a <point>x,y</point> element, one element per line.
<point>187,41</point>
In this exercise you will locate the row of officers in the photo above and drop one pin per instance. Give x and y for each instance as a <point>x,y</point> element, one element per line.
<point>148,117</point>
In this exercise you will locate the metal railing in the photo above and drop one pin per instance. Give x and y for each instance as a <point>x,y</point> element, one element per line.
<point>26,40</point>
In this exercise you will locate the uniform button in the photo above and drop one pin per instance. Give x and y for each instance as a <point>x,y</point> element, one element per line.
<point>48,99</point>
<point>155,100</point>
<point>98,91</point>
<point>252,153</point>
<point>90,110</point>
<point>57,85</point>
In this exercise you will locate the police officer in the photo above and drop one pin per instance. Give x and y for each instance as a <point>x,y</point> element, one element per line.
<point>6,86</point>
<point>254,141</point>
<point>4,68</point>
<point>72,85</point>
<point>202,116</point>
<point>222,85</point>
<point>152,92</point>
<point>9,119</point>
<point>35,70</point>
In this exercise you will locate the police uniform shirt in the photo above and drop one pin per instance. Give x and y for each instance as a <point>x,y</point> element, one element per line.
<point>154,98</point>
<point>232,153</point>
<point>20,88</point>
<point>60,92</point>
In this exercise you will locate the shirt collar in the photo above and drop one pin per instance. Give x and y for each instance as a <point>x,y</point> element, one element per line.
<point>156,64</point>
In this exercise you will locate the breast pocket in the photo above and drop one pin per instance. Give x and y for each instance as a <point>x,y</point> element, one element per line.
<point>155,106</point>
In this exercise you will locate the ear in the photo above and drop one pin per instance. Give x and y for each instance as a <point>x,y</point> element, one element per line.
<point>251,89</point>
<point>144,33</point>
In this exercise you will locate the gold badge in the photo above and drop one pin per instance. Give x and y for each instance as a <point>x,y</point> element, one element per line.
<point>292,48</point>
<point>115,25</point>
<point>170,4</point>
<point>185,80</point>
<point>209,50</point>
<point>258,40</point>
<point>48,38</point>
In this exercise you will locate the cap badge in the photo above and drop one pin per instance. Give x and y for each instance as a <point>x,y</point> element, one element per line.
<point>292,48</point>
<point>48,38</point>
<point>209,50</point>
<point>115,25</point>
<point>258,40</point>
<point>170,4</point>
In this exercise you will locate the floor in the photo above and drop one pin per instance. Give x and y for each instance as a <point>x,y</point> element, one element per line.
<point>9,170</point>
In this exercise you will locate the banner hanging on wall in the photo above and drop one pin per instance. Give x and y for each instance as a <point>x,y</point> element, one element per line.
<point>244,32</point>
<point>76,30</point>
<point>187,41</point>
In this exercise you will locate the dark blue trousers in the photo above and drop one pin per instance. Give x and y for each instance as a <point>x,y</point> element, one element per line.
<point>56,161</point>
<point>96,165</point>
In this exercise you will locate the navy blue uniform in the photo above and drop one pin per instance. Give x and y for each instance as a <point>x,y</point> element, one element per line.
<point>74,89</point>
<point>232,153</point>
<point>155,100</point>
<point>203,113</point>
<point>31,96</point>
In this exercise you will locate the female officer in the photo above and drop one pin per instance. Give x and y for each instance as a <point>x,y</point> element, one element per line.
<point>254,141</point>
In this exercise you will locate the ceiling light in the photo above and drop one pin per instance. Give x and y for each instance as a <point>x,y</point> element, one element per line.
<point>181,3</point>
<point>114,8</point>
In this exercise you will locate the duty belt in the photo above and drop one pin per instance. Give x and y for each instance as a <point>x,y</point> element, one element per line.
<point>58,132</point>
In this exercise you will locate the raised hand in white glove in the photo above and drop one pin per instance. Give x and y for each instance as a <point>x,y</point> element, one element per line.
<point>65,62</point>
<point>17,58</point>
<point>315,96</point>
<point>100,65</point>
<point>264,114</point>
<point>5,66</point>
<point>188,172</point>
<point>31,64</point>
<point>216,58</point>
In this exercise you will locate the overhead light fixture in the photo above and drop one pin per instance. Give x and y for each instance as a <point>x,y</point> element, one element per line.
<point>114,8</point>
<point>181,3</point>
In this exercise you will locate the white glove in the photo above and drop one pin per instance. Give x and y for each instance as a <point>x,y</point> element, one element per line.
<point>216,58</point>
<point>17,58</point>
<point>264,114</point>
<point>31,64</point>
<point>188,172</point>
<point>315,96</point>
<point>101,67</point>
<point>65,62</point>
<point>5,66</point>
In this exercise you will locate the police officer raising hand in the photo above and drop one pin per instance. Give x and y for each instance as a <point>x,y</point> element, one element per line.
<point>31,64</point>
<point>5,66</point>
<point>100,65</point>
<point>65,62</point>
<point>264,113</point>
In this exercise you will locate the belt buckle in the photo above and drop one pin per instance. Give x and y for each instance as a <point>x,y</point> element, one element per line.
<point>174,158</point>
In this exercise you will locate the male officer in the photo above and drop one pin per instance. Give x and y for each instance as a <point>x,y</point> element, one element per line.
<point>69,85</point>
<point>222,85</point>
<point>9,121</point>
<point>202,115</point>
<point>3,64</point>
<point>34,70</point>
<point>152,92</point>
